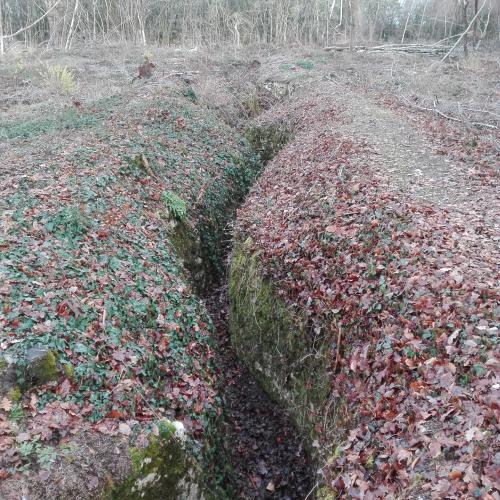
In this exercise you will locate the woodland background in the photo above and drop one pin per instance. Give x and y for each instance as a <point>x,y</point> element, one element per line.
<point>62,23</point>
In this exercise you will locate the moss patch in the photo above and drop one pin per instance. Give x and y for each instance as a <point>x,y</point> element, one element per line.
<point>202,246</point>
<point>44,369</point>
<point>161,470</point>
<point>14,394</point>
<point>275,344</point>
<point>187,245</point>
<point>267,141</point>
<point>68,370</point>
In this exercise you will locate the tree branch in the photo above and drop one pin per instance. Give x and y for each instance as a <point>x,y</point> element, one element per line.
<point>34,23</point>
<point>464,33</point>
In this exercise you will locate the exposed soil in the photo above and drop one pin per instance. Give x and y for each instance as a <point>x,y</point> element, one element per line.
<point>265,452</point>
<point>431,162</point>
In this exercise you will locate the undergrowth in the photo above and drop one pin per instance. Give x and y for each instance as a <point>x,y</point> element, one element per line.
<point>61,77</point>
<point>72,118</point>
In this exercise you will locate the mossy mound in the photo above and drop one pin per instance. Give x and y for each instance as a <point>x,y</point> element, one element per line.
<point>98,244</point>
<point>387,319</point>
<point>42,366</point>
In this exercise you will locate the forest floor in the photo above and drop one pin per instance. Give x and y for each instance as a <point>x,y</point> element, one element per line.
<point>392,104</point>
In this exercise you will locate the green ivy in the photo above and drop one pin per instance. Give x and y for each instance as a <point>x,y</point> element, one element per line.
<point>175,205</point>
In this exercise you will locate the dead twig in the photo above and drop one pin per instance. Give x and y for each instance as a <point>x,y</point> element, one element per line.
<point>481,111</point>
<point>178,74</point>
<point>337,354</point>
<point>147,166</point>
<point>312,491</point>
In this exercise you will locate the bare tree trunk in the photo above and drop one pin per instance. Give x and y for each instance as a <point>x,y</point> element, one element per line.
<point>2,47</point>
<point>355,21</point>
<point>56,21</point>
<point>93,20</point>
<point>373,22</point>
<point>474,36</point>
<point>483,32</point>
<point>465,5</point>
<point>32,24</point>
<point>464,33</point>
<point>71,27</point>
<point>407,21</point>
<point>244,21</point>
<point>422,20</point>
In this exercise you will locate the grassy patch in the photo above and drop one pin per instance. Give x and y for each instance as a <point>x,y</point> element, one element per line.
<point>60,77</point>
<point>305,64</point>
<point>67,120</point>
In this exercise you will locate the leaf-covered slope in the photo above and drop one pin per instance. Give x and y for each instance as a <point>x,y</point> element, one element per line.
<point>88,270</point>
<point>404,296</point>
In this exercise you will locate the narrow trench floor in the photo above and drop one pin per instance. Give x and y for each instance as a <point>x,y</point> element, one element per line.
<point>265,452</point>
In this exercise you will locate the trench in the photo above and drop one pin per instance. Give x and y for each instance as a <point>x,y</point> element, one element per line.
<point>255,451</point>
<point>262,454</point>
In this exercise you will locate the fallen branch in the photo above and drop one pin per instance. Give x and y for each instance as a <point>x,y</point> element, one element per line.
<point>448,117</point>
<point>343,47</point>
<point>408,48</point>
<point>482,111</point>
<point>444,39</point>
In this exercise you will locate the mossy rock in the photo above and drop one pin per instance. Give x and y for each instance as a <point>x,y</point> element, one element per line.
<point>41,365</point>
<point>37,366</point>
<point>161,470</point>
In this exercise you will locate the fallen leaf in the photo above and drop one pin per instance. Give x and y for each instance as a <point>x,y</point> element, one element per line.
<point>6,404</point>
<point>124,429</point>
<point>43,474</point>
<point>22,437</point>
<point>114,414</point>
<point>270,486</point>
<point>435,449</point>
<point>455,474</point>
<point>65,388</point>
